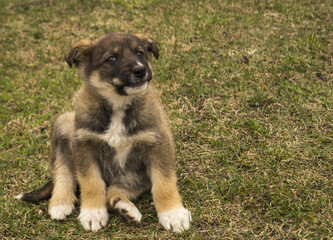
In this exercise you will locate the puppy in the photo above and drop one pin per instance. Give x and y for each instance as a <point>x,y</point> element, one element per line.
<point>117,143</point>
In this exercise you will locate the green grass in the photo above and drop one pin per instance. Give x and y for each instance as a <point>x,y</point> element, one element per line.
<point>248,88</point>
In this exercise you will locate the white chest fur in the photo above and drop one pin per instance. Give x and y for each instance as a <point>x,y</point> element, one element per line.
<point>114,135</point>
<point>116,138</point>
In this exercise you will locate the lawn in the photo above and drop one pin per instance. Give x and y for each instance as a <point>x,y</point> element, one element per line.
<point>248,87</point>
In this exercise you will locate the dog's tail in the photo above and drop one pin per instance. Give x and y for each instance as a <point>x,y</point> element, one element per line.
<point>36,196</point>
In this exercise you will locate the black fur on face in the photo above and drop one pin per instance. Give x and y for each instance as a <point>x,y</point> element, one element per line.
<point>121,60</point>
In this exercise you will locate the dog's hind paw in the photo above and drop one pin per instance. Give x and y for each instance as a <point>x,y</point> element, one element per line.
<point>175,220</point>
<point>59,212</point>
<point>128,210</point>
<point>94,219</point>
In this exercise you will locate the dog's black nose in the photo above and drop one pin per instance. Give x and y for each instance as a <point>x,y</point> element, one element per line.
<point>139,71</point>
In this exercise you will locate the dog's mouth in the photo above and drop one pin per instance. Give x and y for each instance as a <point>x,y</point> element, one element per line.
<point>132,83</point>
<point>136,88</point>
<point>138,84</point>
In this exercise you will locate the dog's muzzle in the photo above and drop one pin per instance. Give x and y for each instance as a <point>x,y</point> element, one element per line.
<point>139,80</point>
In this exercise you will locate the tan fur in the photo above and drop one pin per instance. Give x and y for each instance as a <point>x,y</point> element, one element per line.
<point>93,194</point>
<point>63,180</point>
<point>107,92</point>
<point>165,193</point>
<point>64,186</point>
<point>65,124</point>
<point>116,193</point>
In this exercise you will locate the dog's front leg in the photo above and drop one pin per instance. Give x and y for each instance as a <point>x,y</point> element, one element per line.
<point>171,213</point>
<point>94,212</point>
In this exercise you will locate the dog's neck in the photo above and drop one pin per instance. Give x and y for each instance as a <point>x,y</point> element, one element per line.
<point>95,113</point>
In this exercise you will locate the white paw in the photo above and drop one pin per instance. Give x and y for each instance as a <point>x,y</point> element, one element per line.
<point>94,219</point>
<point>129,211</point>
<point>175,220</point>
<point>59,212</point>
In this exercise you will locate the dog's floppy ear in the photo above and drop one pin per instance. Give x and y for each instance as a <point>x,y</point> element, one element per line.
<point>78,53</point>
<point>149,43</point>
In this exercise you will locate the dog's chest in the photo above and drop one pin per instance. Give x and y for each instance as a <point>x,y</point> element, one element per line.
<point>116,137</point>
<point>115,133</point>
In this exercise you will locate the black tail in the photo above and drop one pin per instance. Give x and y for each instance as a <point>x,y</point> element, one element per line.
<point>41,194</point>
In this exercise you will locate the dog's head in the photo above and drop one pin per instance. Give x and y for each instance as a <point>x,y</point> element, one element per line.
<point>116,62</point>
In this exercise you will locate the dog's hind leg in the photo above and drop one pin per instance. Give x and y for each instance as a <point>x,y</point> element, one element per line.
<point>63,177</point>
<point>118,199</point>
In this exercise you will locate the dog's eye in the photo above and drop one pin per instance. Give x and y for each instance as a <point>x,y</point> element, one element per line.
<point>139,53</point>
<point>111,60</point>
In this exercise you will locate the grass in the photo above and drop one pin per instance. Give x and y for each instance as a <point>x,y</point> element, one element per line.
<point>248,88</point>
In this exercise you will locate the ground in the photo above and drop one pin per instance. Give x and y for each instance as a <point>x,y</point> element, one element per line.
<point>248,89</point>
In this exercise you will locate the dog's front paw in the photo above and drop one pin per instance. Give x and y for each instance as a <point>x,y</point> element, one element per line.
<point>94,219</point>
<point>128,210</point>
<point>175,220</point>
<point>59,212</point>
